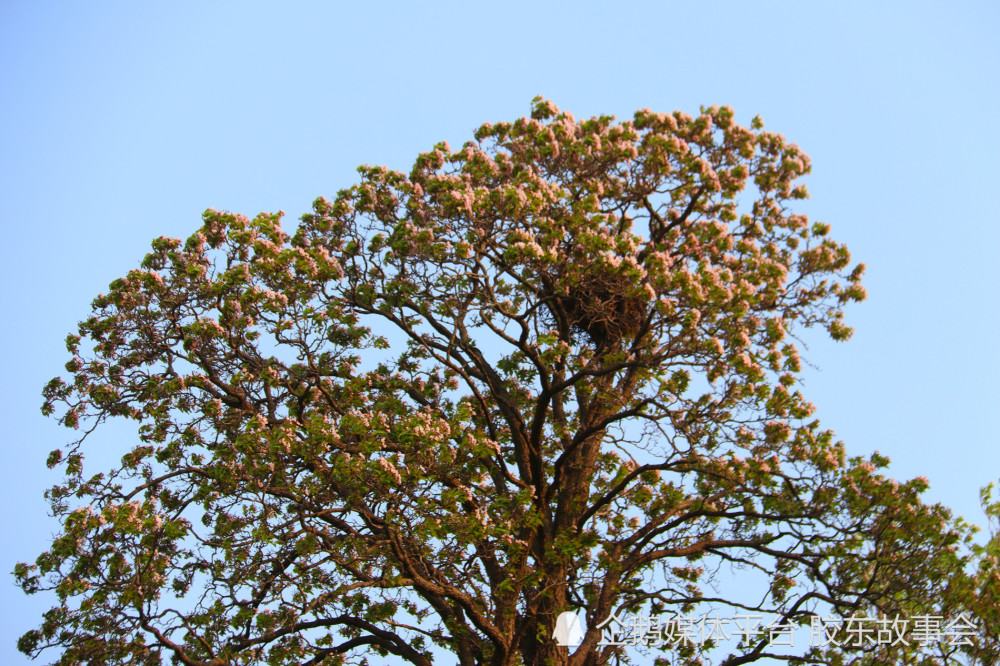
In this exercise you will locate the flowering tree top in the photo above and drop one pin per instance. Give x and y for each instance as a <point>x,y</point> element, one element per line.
<point>553,369</point>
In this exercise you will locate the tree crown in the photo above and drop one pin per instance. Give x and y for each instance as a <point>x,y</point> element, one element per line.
<point>555,368</point>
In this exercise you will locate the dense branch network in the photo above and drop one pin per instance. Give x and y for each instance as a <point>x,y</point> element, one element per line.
<point>552,369</point>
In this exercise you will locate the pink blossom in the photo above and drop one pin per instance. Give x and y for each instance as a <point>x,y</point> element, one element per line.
<point>390,468</point>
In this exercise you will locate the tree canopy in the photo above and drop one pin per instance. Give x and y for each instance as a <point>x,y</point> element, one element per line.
<point>556,369</point>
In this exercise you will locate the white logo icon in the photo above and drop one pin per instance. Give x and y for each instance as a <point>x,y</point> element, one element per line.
<point>568,631</point>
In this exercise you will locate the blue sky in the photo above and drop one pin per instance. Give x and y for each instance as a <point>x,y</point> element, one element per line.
<point>121,122</point>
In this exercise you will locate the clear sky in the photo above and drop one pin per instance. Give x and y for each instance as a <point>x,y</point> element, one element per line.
<point>121,122</point>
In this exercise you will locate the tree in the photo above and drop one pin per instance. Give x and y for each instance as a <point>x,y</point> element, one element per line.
<point>552,370</point>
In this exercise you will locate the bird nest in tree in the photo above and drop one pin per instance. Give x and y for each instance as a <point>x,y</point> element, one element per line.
<point>603,306</point>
